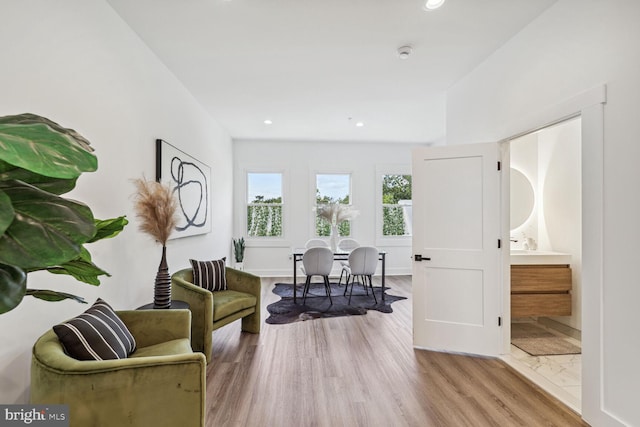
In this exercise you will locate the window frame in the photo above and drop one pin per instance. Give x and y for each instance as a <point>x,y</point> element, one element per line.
<point>314,187</point>
<point>246,203</point>
<point>381,239</point>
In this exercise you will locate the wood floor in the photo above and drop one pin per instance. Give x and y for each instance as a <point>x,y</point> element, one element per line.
<point>363,371</point>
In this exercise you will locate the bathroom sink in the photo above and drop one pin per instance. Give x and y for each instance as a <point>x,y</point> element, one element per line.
<point>522,256</point>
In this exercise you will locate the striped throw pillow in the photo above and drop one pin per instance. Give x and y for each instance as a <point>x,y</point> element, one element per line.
<point>96,334</point>
<point>209,274</point>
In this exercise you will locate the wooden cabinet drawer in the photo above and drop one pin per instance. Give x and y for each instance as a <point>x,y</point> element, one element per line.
<point>540,278</point>
<point>527,305</point>
<point>540,290</point>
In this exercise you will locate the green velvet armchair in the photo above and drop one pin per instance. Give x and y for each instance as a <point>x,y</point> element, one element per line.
<point>163,383</point>
<point>212,310</point>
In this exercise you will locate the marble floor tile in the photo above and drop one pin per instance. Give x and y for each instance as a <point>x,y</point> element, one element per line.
<point>559,375</point>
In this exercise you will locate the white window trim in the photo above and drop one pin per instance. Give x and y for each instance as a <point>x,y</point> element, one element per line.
<point>265,241</point>
<point>381,171</point>
<point>314,185</point>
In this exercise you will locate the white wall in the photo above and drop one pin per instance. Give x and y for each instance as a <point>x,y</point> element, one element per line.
<point>561,207</point>
<point>78,64</point>
<point>524,158</point>
<point>574,46</point>
<point>550,159</point>
<point>299,161</point>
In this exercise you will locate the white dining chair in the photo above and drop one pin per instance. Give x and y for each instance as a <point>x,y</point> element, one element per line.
<point>313,243</point>
<point>317,261</point>
<point>362,263</point>
<point>316,243</point>
<point>346,245</point>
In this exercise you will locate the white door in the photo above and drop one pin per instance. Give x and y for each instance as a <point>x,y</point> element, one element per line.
<point>457,287</point>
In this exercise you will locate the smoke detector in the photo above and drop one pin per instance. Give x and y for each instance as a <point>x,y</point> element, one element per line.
<point>404,51</point>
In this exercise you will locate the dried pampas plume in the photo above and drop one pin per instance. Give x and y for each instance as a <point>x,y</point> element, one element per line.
<point>156,207</point>
<point>336,213</point>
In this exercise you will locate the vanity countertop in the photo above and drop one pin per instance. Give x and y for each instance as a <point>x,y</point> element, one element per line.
<point>525,257</point>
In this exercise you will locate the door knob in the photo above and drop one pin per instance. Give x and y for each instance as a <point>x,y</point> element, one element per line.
<point>421,258</point>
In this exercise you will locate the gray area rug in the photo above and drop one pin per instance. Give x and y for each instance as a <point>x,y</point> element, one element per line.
<point>538,341</point>
<point>317,304</point>
<point>529,330</point>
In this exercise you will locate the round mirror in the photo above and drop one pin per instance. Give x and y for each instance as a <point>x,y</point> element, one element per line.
<point>521,198</point>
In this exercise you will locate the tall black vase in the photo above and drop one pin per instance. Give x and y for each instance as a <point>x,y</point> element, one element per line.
<point>162,291</point>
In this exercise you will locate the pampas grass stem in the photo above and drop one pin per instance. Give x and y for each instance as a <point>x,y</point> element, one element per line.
<point>336,213</point>
<point>156,208</point>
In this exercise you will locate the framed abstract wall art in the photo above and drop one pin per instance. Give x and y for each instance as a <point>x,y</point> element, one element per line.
<point>190,180</point>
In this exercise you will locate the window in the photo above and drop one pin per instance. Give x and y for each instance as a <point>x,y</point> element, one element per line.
<point>396,205</point>
<point>264,204</point>
<point>332,188</point>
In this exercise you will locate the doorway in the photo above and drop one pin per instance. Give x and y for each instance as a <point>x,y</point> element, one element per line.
<point>546,258</point>
<point>590,106</point>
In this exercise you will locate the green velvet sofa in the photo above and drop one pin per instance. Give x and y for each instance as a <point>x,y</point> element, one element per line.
<point>163,383</point>
<point>212,310</point>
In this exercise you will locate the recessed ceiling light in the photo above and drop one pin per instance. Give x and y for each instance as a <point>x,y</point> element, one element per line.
<point>268,122</point>
<point>433,4</point>
<point>359,124</point>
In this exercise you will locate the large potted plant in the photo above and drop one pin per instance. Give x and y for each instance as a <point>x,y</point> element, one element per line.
<point>40,230</point>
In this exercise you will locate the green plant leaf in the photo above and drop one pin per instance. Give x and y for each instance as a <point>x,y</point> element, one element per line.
<point>48,230</point>
<point>6,212</point>
<point>81,268</point>
<point>37,144</point>
<point>13,284</point>
<point>49,295</point>
<point>30,118</point>
<point>52,185</point>
<point>107,228</point>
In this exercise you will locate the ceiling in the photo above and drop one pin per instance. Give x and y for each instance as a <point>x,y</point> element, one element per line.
<point>316,68</point>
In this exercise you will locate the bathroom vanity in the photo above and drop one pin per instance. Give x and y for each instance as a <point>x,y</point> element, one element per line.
<point>540,284</point>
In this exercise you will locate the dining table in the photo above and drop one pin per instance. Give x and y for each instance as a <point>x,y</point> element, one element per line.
<point>298,253</point>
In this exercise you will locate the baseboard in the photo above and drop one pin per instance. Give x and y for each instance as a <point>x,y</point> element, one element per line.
<point>561,327</point>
